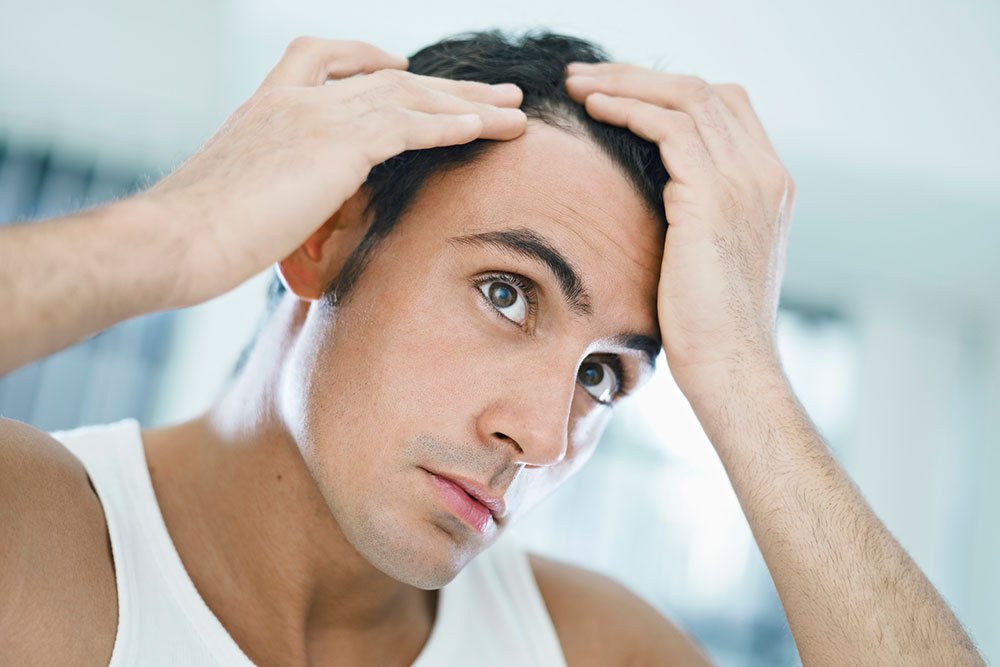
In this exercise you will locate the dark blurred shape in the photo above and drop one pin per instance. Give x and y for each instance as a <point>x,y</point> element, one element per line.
<point>112,375</point>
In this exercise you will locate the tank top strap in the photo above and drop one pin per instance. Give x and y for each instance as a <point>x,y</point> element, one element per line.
<point>162,619</point>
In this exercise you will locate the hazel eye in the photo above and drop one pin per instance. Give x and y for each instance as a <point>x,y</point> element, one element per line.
<point>507,299</point>
<point>599,379</point>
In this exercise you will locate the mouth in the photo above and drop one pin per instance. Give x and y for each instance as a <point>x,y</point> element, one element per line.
<point>469,501</point>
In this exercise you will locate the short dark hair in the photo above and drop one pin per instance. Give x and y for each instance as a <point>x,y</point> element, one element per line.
<point>536,62</point>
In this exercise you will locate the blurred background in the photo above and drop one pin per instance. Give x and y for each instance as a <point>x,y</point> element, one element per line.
<point>886,113</point>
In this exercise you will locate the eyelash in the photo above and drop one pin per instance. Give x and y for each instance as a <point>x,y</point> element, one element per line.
<point>527,287</point>
<point>524,285</point>
<point>624,382</point>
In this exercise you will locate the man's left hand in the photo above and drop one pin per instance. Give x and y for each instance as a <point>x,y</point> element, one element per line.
<point>728,203</point>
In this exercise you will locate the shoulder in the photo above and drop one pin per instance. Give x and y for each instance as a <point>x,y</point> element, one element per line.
<point>600,622</point>
<point>57,583</point>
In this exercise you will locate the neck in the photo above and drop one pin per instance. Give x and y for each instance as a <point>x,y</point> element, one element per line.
<point>268,556</point>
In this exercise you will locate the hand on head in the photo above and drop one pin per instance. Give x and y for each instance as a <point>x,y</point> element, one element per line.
<point>269,184</point>
<point>288,158</point>
<point>728,204</point>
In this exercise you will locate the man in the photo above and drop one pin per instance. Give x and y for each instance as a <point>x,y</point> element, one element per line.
<point>453,329</point>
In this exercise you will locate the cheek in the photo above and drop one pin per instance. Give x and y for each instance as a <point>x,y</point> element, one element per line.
<point>414,357</point>
<point>585,432</point>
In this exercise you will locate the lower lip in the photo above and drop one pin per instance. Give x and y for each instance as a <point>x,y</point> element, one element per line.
<point>465,507</point>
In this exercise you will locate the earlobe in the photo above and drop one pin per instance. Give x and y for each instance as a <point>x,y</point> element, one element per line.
<point>297,279</point>
<point>308,271</point>
<point>304,272</point>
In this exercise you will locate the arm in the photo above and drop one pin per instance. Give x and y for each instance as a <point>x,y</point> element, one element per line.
<point>57,579</point>
<point>70,277</point>
<point>851,593</point>
<point>279,168</point>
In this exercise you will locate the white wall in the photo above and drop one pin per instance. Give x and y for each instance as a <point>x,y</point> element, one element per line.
<point>922,449</point>
<point>984,411</point>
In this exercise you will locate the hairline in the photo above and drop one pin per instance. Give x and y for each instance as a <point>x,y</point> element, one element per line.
<point>340,289</point>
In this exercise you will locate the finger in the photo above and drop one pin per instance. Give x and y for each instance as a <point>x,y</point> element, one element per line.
<point>393,131</point>
<point>736,98</point>
<point>431,130</point>
<point>734,95</point>
<point>503,94</point>
<point>682,148</point>
<point>596,69</point>
<point>311,61</point>
<point>722,133</point>
<point>498,122</point>
<point>500,94</point>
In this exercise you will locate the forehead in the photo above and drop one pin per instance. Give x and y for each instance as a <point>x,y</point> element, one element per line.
<point>550,178</point>
<point>567,190</point>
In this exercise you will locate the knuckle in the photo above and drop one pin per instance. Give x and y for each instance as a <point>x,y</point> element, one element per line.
<point>301,43</point>
<point>686,123</point>
<point>776,179</point>
<point>698,89</point>
<point>356,45</point>
<point>733,89</point>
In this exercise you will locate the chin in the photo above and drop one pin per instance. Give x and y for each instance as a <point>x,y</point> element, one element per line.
<point>414,551</point>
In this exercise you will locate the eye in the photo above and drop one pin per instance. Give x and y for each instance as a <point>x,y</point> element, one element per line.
<point>601,380</point>
<point>509,299</point>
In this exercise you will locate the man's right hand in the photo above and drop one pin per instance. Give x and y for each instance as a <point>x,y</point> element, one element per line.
<point>290,156</point>
<point>280,167</point>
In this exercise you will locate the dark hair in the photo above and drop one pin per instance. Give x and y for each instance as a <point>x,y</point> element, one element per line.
<point>536,62</point>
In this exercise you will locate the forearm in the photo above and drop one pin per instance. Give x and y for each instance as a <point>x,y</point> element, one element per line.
<point>67,278</point>
<point>851,593</point>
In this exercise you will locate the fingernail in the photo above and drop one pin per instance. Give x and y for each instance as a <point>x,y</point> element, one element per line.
<point>505,87</point>
<point>577,66</point>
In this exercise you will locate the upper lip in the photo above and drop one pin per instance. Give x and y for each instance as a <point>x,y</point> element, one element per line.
<point>495,504</point>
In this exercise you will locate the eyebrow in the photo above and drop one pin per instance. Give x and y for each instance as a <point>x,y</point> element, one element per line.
<point>530,244</point>
<point>649,346</point>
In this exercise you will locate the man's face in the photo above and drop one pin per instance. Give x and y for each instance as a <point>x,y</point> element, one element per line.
<point>481,344</point>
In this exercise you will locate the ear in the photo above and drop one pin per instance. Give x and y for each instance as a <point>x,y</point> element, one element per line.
<point>308,271</point>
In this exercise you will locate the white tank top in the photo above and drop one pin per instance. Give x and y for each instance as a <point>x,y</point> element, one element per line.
<point>492,613</point>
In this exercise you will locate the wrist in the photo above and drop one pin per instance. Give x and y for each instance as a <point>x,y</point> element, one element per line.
<point>732,380</point>
<point>147,242</point>
<point>710,370</point>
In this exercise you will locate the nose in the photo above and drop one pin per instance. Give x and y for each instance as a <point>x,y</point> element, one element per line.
<point>531,413</point>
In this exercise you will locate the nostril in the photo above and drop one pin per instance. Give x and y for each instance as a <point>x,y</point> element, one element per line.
<point>504,436</point>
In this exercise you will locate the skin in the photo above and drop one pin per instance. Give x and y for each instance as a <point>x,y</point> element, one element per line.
<point>326,538</point>
<point>281,165</point>
<point>351,405</point>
